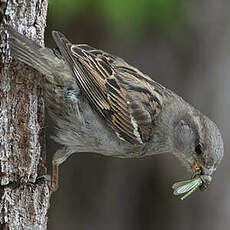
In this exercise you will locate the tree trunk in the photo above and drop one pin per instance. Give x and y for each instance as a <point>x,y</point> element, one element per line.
<point>24,200</point>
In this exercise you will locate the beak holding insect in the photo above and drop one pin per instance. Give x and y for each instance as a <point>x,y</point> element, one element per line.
<point>199,180</point>
<point>202,172</point>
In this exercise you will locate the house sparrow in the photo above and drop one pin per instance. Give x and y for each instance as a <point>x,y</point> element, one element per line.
<point>101,104</point>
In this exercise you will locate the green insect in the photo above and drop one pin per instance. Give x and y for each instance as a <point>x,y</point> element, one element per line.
<point>189,186</point>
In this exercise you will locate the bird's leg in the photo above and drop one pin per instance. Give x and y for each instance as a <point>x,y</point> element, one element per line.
<point>55,177</point>
<point>59,157</point>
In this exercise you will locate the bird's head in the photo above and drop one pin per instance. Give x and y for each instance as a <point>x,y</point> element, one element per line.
<point>197,142</point>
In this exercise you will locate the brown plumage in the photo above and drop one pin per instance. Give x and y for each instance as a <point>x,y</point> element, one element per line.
<point>120,93</point>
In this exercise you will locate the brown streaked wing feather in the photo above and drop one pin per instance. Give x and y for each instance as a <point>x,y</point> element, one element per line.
<point>115,91</point>
<point>145,100</point>
<point>143,104</point>
<point>130,99</point>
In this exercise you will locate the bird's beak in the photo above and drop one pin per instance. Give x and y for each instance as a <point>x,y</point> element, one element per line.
<point>199,170</point>
<point>196,168</point>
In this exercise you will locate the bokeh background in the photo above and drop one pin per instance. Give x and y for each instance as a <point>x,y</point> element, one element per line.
<point>184,45</point>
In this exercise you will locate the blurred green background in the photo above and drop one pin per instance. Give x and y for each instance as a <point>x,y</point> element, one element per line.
<point>183,45</point>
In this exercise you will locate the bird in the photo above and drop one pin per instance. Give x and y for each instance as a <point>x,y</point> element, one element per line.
<point>101,104</point>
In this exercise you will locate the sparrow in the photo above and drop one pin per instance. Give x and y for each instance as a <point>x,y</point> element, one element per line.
<point>102,104</point>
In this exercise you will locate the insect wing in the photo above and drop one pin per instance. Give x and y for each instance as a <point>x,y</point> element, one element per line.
<point>180,183</point>
<point>188,186</point>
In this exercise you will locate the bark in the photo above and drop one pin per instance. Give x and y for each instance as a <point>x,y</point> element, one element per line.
<point>24,200</point>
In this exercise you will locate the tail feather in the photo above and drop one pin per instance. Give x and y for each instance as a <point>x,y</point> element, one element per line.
<point>30,53</point>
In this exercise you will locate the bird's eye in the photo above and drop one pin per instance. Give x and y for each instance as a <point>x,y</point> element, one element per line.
<point>198,149</point>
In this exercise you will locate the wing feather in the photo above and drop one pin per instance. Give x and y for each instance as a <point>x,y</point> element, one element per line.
<point>125,97</point>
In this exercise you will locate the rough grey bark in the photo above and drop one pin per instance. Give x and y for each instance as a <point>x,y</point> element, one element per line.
<point>24,200</point>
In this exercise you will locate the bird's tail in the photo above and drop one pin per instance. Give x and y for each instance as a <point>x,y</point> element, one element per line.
<point>29,52</point>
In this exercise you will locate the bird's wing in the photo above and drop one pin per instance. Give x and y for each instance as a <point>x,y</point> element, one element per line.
<point>121,94</point>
